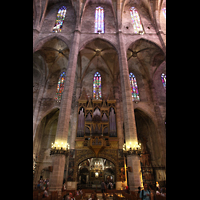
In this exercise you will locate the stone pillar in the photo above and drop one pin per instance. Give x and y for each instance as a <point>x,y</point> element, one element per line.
<point>66,102</point>
<point>129,117</point>
<point>56,178</point>
<point>128,110</point>
<point>161,132</point>
<point>119,115</point>
<point>135,176</point>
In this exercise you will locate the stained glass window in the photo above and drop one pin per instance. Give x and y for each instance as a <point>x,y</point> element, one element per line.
<point>60,87</point>
<point>164,12</point>
<point>163,78</point>
<point>60,19</point>
<point>137,25</point>
<point>99,20</point>
<point>134,87</point>
<point>97,86</point>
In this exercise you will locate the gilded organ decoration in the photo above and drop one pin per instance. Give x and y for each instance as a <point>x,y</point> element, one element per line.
<point>96,117</point>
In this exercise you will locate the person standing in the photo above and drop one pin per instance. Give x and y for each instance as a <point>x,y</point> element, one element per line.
<point>103,185</point>
<point>46,194</point>
<point>145,194</point>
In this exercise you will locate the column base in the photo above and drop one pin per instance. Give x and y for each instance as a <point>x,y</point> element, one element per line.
<point>58,189</point>
<point>56,176</point>
<point>134,177</point>
<point>71,185</point>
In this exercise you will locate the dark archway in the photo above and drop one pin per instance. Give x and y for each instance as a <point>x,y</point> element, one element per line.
<point>92,171</point>
<point>45,136</point>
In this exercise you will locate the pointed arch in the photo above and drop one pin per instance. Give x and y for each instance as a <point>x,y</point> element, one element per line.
<point>60,87</point>
<point>134,87</point>
<point>60,19</point>
<point>97,86</point>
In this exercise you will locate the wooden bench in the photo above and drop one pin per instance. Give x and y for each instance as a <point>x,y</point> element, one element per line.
<point>159,197</point>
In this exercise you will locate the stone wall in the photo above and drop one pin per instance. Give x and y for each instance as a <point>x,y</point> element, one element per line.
<point>145,56</point>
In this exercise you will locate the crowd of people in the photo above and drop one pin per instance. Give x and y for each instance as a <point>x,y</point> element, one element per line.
<point>43,184</point>
<point>74,195</point>
<point>148,193</point>
<point>151,191</point>
<point>107,185</point>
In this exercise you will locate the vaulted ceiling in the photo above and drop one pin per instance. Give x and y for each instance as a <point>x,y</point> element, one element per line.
<point>41,6</point>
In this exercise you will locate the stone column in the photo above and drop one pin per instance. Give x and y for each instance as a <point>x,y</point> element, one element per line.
<point>128,110</point>
<point>65,110</point>
<point>56,178</point>
<point>135,176</point>
<point>129,117</point>
<point>161,132</point>
<point>119,115</point>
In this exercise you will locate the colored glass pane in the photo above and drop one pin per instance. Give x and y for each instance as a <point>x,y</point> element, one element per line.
<point>60,19</point>
<point>134,87</point>
<point>97,86</point>
<point>60,86</point>
<point>163,78</point>
<point>99,20</point>
<point>164,12</point>
<point>137,26</point>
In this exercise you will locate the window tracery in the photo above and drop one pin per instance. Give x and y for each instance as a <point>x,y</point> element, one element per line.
<point>134,87</point>
<point>60,87</point>
<point>60,19</point>
<point>99,20</point>
<point>136,21</point>
<point>97,86</point>
<point>163,78</point>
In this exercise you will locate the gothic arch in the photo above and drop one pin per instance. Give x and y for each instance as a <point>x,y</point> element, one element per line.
<point>41,117</point>
<point>159,89</point>
<point>147,128</point>
<point>39,43</point>
<point>91,154</point>
<point>161,67</point>
<point>140,40</point>
<point>91,38</point>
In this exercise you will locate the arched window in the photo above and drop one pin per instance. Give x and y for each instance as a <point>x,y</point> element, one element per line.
<point>97,86</point>
<point>163,78</point>
<point>134,87</point>
<point>99,20</point>
<point>164,12</point>
<point>60,87</point>
<point>60,19</point>
<point>137,25</point>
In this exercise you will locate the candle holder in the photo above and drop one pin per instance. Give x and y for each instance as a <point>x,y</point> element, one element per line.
<point>132,150</point>
<point>59,151</point>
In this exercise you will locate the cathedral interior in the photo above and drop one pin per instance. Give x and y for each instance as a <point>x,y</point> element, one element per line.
<point>99,92</point>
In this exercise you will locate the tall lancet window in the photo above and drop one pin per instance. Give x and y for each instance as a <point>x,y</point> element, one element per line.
<point>163,78</point>
<point>136,21</point>
<point>164,12</point>
<point>60,87</point>
<point>99,20</point>
<point>97,86</point>
<point>60,19</point>
<point>134,87</point>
